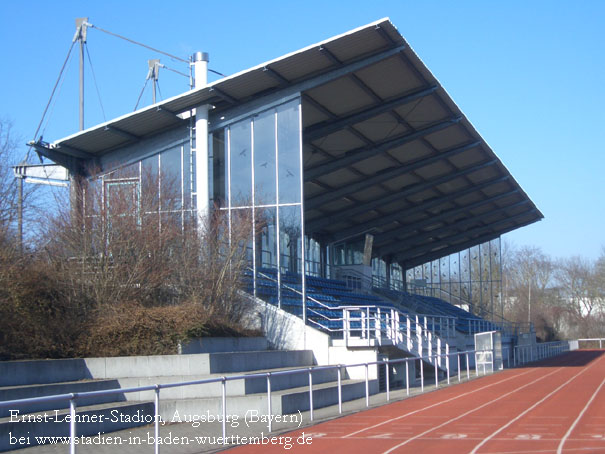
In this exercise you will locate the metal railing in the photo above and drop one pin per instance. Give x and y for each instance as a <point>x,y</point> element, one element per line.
<point>378,323</point>
<point>523,354</point>
<point>157,419</point>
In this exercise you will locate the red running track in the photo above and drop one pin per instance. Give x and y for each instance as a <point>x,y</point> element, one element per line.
<point>556,406</point>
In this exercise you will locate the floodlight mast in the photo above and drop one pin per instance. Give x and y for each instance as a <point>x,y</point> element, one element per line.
<point>154,74</point>
<point>75,180</point>
<point>81,27</point>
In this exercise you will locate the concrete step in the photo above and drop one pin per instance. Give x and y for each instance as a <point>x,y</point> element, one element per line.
<point>234,388</point>
<point>30,391</point>
<point>16,373</point>
<point>246,361</point>
<point>96,418</point>
<point>288,401</point>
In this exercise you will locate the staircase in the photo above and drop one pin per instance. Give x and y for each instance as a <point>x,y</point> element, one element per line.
<point>355,319</point>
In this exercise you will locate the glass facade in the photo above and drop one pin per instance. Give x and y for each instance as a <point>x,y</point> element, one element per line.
<point>256,168</point>
<point>158,189</point>
<point>471,278</point>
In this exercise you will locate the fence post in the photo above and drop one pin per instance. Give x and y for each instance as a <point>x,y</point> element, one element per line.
<point>224,399</point>
<point>72,424</point>
<point>157,419</point>
<point>468,370</point>
<point>367,387</point>
<point>458,358</point>
<point>269,399</point>
<point>436,374</point>
<point>421,375</point>
<point>339,389</point>
<point>310,393</point>
<point>407,377</point>
<point>447,362</point>
<point>387,370</point>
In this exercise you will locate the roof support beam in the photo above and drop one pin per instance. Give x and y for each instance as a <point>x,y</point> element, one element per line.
<point>365,226</point>
<point>341,70</point>
<point>168,113</point>
<point>277,76</point>
<point>406,192</point>
<point>411,262</point>
<point>322,129</point>
<point>121,133</point>
<point>417,239</point>
<point>230,99</point>
<point>363,153</point>
<point>425,206</point>
<point>68,159</point>
<point>386,175</point>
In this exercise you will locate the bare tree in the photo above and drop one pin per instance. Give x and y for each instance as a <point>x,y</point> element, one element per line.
<point>11,186</point>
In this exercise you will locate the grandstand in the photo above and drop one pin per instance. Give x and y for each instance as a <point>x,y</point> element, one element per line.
<point>350,157</point>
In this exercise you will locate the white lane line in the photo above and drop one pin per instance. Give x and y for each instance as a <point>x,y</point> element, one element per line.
<point>564,439</point>
<point>520,415</point>
<point>469,412</point>
<point>435,405</point>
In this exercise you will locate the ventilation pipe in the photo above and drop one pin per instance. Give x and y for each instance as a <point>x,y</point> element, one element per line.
<point>200,71</point>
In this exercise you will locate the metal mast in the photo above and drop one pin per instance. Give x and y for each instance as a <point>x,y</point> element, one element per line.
<point>75,180</point>
<point>81,27</point>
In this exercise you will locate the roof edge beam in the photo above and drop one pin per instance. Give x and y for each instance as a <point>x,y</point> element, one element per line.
<point>406,192</point>
<point>363,153</point>
<point>320,130</point>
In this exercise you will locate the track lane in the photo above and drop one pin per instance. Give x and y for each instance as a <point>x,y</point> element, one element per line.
<point>377,428</point>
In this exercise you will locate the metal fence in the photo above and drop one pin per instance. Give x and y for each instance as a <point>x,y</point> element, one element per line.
<point>74,397</point>
<point>523,354</point>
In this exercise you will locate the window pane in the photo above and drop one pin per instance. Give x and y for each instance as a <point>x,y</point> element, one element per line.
<point>290,256</point>
<point>219,168</point>
<point>288,141</point>
<point>171,183</point>
<point>241,164</point>
<point>266,244</point>
<point>264,159</point>
<point>150,178</point>
<point>290,230</point>
<point>187,177</point>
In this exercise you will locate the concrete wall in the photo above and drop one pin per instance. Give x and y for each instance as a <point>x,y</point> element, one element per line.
<point>223,344</point>
<point>344,355</point>
<point>285,331</point>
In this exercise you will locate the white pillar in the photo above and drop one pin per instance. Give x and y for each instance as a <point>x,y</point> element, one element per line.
<point>200,67</point>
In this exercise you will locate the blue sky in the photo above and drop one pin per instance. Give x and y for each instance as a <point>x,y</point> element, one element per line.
<point>529,75</point>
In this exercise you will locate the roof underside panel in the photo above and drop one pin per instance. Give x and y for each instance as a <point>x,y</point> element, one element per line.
<point>416,175</point>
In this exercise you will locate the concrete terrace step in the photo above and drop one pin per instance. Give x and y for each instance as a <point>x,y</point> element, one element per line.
<point>30,391</point>
<point>14,373</point>
<point>234,387</point>
<point>288,401</point>
<point>96,418</point>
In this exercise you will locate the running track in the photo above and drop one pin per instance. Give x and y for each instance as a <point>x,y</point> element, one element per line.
<point>556,406</point>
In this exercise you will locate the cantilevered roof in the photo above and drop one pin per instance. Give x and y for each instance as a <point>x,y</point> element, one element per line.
<point>386,150</point>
